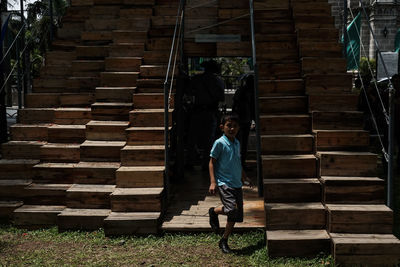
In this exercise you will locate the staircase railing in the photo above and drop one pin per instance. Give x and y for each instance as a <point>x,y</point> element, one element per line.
<point>169,84</point>
<point>260,183</point>
<point>389,111</point>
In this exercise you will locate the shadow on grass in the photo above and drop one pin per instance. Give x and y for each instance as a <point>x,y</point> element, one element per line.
<point>250,249</point>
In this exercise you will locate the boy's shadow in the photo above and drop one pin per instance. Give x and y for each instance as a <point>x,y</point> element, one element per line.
<point>250,249</point>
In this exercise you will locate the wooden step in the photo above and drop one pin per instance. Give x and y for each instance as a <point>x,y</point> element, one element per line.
<point>137,199</point>
<point>111,111</point>
<point>315,34</point>
<point>88,68</point>
<point>70,33</point>
<point>136,12</point>
<point>81,219</point>
<point>278,55</point>
<point>341,139</point>
<point>135,49</point>
<point>21,149</point>
<point>295,216</point>
<point>334,102</point>
<point>286,37</point>
<point>42,100</point>
<point>46,194</point>
<point>36,216</point>
<point>328,83</point>
<point>95,172</point>
<point>129,36</point>
<point>314,65</point>
<point>106,130</point>
<point>131,223</point>
<point>59,58</point>
<point>151,155</point>
<point>151,85</point>
<point>159,43</point>
<point>320,49</point>
<point>365,249</point>
<point>279,70</point>
<point>342,120</point>
<point>55,83</point>
<point>101,150</point>
<point>7,208</point>
<point>103,11</point>
<point>292,190</point>
<point>280,87</point>
<point>98,52</point>
<point>156,57</point>
<point>96,37</point>
<point>29,132</point>
<point>66,134</point>
<point>149,101</point>
<point>118,79</point>
<point>145,135</point>
<point>311,7</point>
<point>155,71</point>
<point>13,189</point>
<point>313,21</point>
<point>77,116</point>
<point>140,177</point>
<point>84,196</point>
<point>148,117</point>
<point>36,115</point>
<point>297,243</point>
<point>115,94</point>
<point>128,64</point>
<point>359,219</point>
<point>285,124</point>
<point>274,27</point>
<point>345,163</point>
<point>301,166</point>
<point>76,99</point>
<point>56,71</point>
<point>283,105</point>
<point>353,190</point>
<point>16,168</point>
<point>53,173</point>
<point>82,84</point>
<point>287,144</point>
<point>235,49</point>
<point>56,152</point>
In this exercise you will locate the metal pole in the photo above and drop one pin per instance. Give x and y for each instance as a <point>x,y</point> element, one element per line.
<point>345,37</point>
<point>3,109</point>
<point>390,146</point>
<point>19,85</point>
<point>260,182</point>
<point>23,56</point>
<point>51,19</point>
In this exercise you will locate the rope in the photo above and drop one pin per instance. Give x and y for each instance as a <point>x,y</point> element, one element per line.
<point>369,107</point>
<point>372,74</point>
<point>219,23</point>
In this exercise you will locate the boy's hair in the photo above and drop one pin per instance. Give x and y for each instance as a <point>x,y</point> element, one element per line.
<point>229,117</point>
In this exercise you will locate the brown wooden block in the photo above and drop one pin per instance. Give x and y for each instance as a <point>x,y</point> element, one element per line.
<point>311,65</point>
<point>82,84</point>
<point>127,49</point>
<point>106,130</point>
<point>285,124</point>
<point>76,100</point>
<point>286,144</point>
<point>361,219</point>
<point>353,190</point>
<point>59,58</point>
<point>16,168</point>
<point>101,150</point>
<point>280,87</point>
<point>148,117</point>
<point>136,12</point>
<point>119,79</point>
<point>302,166</point>
<point>77,116</point>
<point>136,199</point>
<point>279,70</point>
<point>127,223</point>
<point>36,115</point>
<point>292,190</point>
<point>153,71</point>
<point>337,120</point>
<point>315,35</point>
<point>328,83</point>
<point>123,64</point>
<point>21,149</point>
<point>149,101</point>
<point>81,219</point>
<point>7,208</point>
<point>46,194</point>
<point>121,36</point>
<point>283,105</point>
<point>297,243</point>
<point>149,176</point>
<point>81,196</point>
<point>343,163</point>
<point>142,156</point>
<point>145,135</point>
<point>141,24</point>
<point>29,132</point>
<point>95,172</point>
<point>341,139</point>
<point>41,100</point>
<point>111,111</point>
<point>66,134</point>
<point>97,36</point>
<point>34,216</point>
<point>13,189</point>
<point>115,94</point>
<point>295,216</point>
<point>54,173</point>
<point>89,68</point>
<point>337,102</point>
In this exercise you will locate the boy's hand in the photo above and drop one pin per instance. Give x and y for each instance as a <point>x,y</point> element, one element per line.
<point>212,188</point>
<point>247,182</point>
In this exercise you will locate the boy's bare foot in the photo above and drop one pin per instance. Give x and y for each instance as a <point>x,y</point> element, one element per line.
<point>223,245</point>
<point>214,222</point>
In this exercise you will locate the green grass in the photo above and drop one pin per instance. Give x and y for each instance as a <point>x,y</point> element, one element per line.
<point>49,248</point>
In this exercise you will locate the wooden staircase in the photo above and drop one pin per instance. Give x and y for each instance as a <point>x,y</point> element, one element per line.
<point>88,149</point>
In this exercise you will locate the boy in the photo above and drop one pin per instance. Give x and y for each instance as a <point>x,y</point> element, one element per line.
<point>227,176</point>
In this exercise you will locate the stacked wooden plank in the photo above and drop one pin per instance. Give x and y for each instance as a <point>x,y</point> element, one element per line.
<point>359,224</point>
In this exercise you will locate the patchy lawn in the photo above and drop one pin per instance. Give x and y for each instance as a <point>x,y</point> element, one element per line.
<point>50,248</point>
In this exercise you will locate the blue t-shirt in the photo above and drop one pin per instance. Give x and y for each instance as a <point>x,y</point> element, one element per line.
<point>228,167</point>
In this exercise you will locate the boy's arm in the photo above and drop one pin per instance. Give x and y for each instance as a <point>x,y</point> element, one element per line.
<point>245,180</point>
<point>213,182</point>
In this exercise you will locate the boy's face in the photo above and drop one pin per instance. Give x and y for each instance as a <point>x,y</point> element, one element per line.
<point>230,129</point>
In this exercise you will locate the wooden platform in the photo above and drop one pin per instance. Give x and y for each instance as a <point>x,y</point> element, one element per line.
<point>188,210</point>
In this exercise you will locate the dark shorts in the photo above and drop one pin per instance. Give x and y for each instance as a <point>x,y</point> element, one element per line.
<point>232,200</point>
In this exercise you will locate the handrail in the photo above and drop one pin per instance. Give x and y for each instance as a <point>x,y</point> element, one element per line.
<point>260,182</point>
<point>167,90</point>
<point>389,115</point>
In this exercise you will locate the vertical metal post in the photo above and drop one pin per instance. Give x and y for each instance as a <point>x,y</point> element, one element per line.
<point>3,109</point>
<point>390,146</point>
<point>19,85</point>
<point>166,139</point>
<point>260,182</point>
<point>51,20</point>
<point>345,37</point>
<point>23,56</point>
